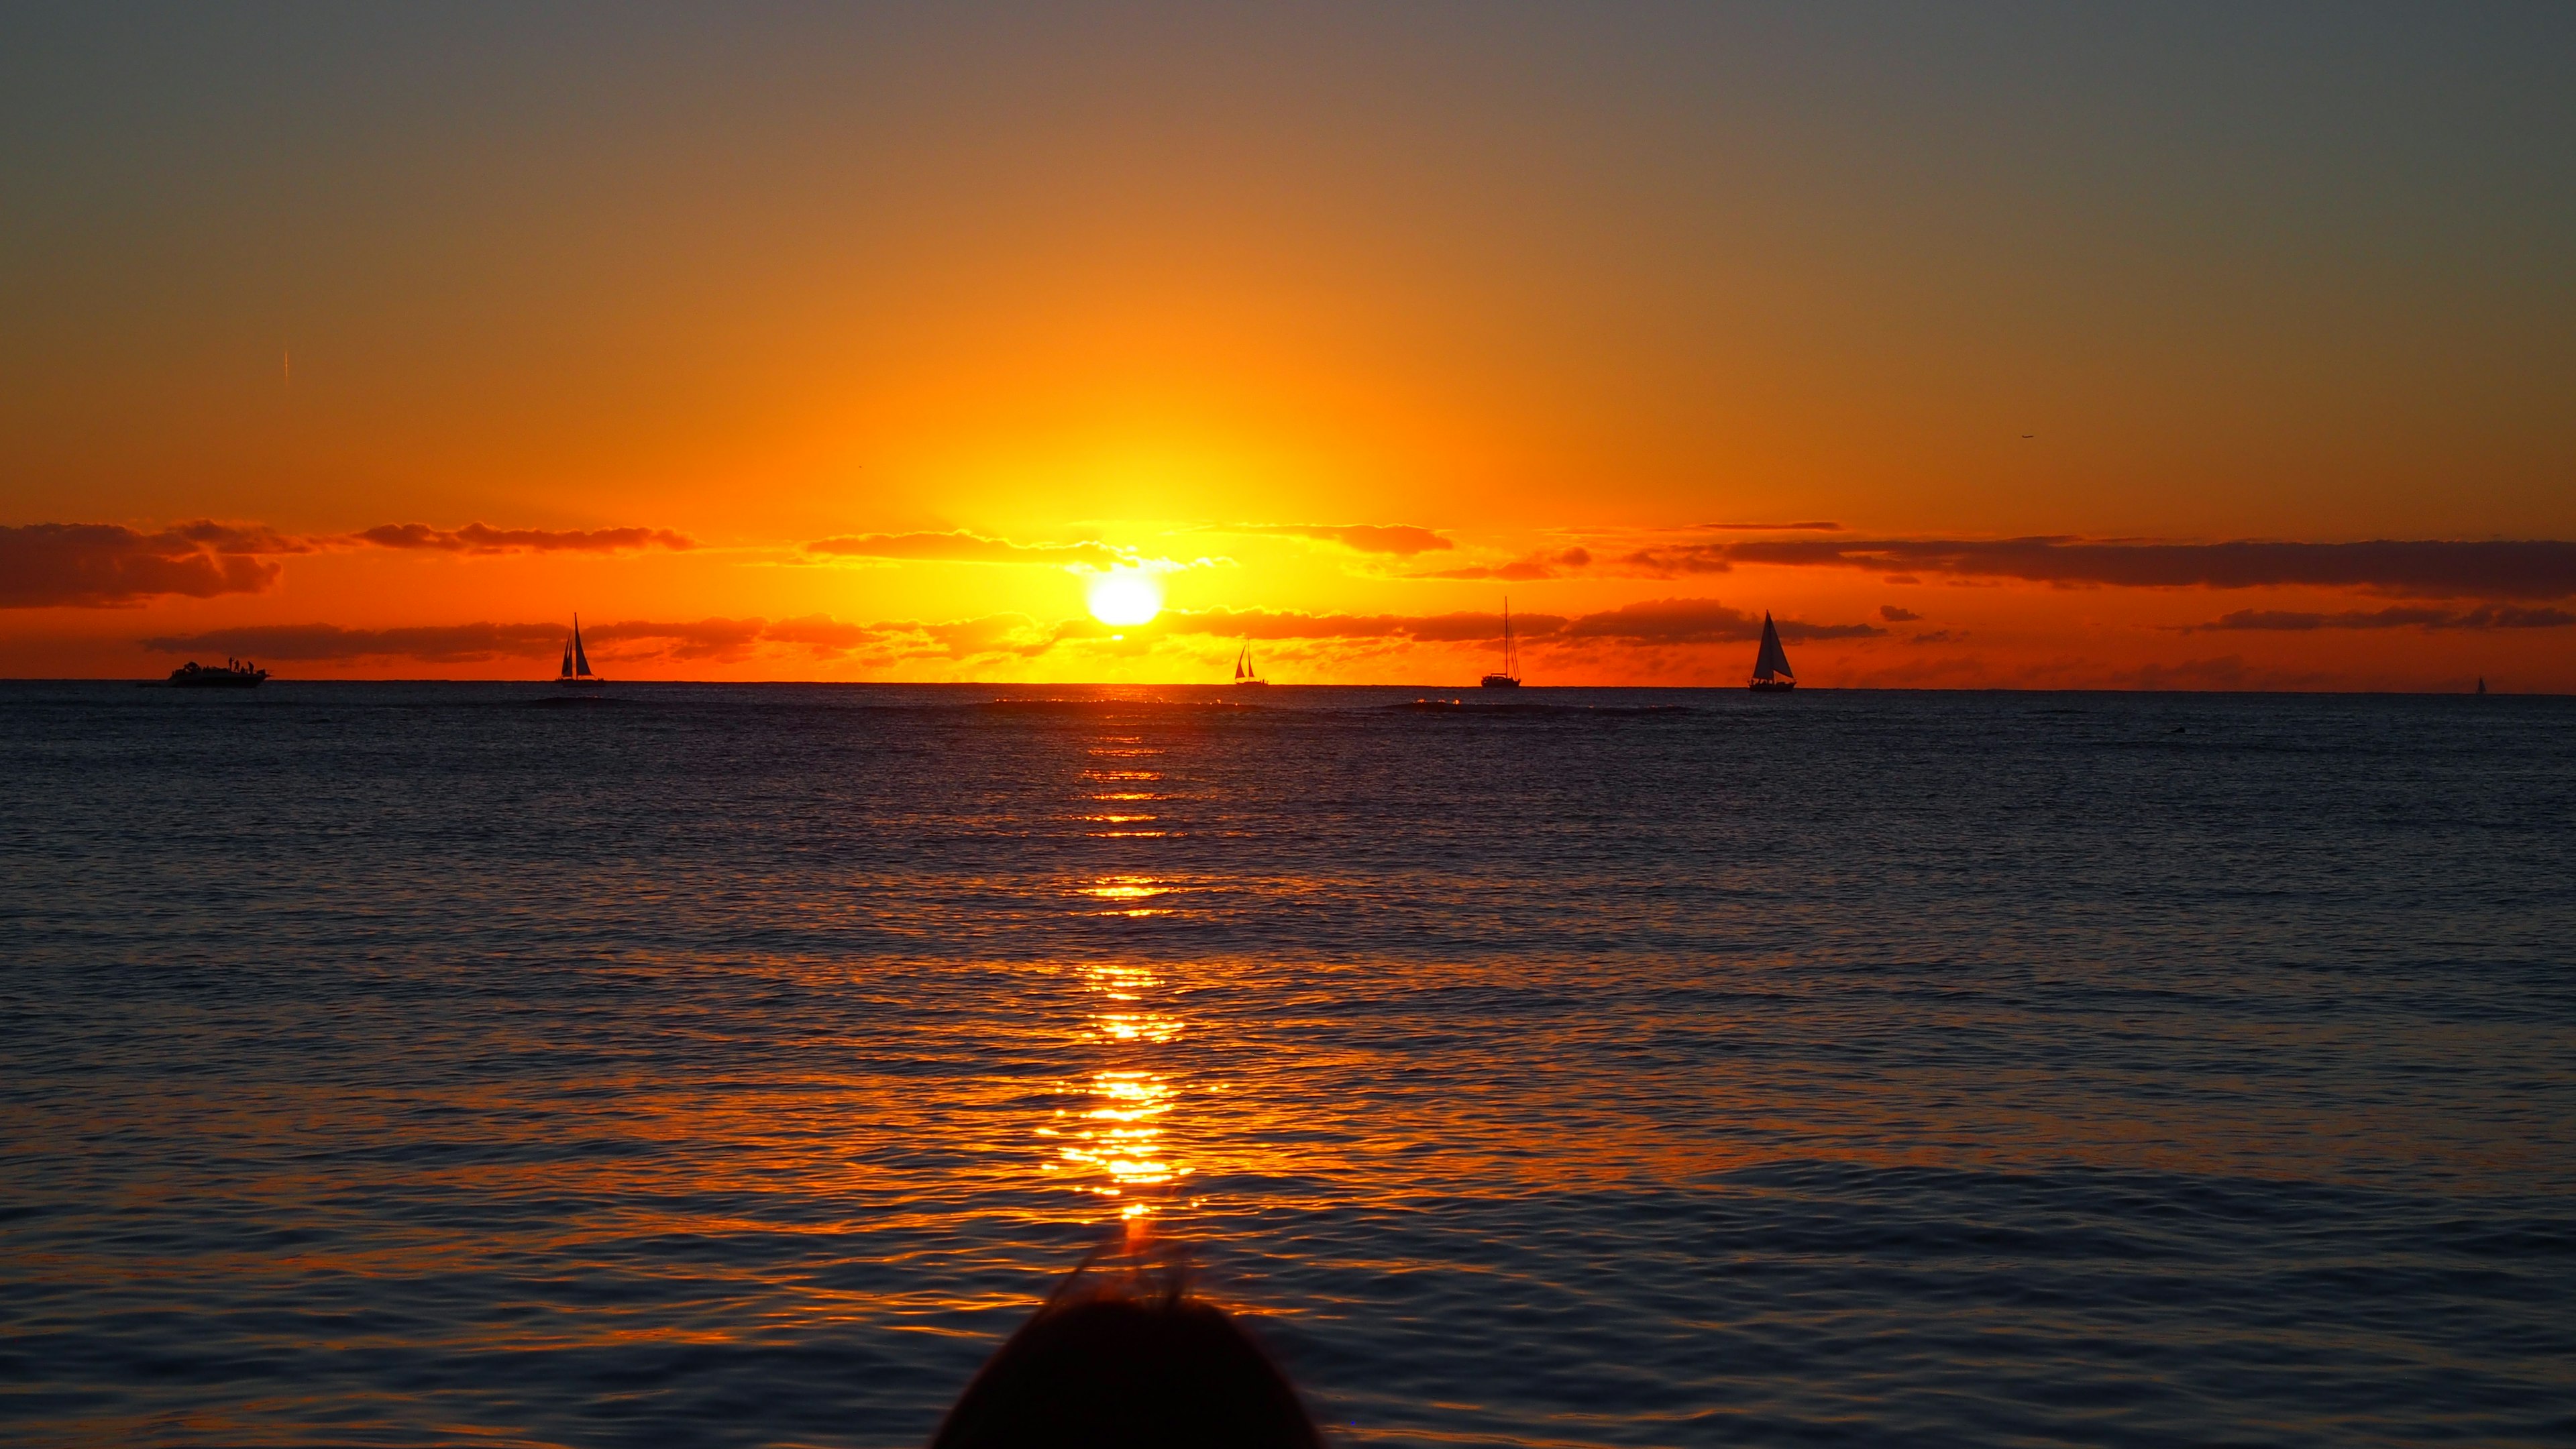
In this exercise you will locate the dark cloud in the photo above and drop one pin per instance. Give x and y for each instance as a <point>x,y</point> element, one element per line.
<point>822,633</point>
<point>1540,565</point>
<point>241,537</point>
<point>1401,539</point>
<point>104,565</point>
<point>1776,527</point>
<point>2490,616</point>
<point>2536,569</point>
<point>1675,561</point>
<point>1895,615</point>
<point>703,639</point>
<point>2435,568</point>
<point>482,538</point>
<point>963,547</point>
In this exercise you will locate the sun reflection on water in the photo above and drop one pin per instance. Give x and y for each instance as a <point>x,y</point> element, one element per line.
<point>1115,1143</point>
<point>1124,895</point>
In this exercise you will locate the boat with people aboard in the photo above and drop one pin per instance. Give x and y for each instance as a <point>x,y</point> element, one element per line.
<point>1510,676</point>
<point>1244,673</point>
<point>235,674</point>
<point>1771,673</point>
<point>576,663</point>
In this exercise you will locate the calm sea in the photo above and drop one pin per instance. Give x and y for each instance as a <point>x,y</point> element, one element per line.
<point>438,1064</point>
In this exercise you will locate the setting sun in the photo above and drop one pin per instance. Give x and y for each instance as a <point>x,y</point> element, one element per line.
<point>1125,596</point>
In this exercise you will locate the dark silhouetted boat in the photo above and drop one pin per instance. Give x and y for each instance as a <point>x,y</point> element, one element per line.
<point>1243,671</point>
<point>576,664</point>
<point>1510,678</point>
<point>1771,673</point>
<point>235,674</point>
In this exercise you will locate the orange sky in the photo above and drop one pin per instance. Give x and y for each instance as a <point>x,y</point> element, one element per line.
<point>1343,325</point>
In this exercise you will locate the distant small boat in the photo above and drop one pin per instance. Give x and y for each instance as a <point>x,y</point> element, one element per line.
<point>235,674</point>
<point>1510,678</point>
<point>1243,671</point>
<point>1771,672</point>
<point>576,663</point>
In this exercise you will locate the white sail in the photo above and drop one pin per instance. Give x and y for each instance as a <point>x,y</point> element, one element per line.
<point>1772,660</point>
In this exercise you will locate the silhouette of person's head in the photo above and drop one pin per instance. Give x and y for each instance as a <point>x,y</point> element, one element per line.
<point>1127,1365</point>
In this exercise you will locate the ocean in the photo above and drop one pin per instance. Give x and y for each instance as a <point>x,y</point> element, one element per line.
<point>409,1064</point>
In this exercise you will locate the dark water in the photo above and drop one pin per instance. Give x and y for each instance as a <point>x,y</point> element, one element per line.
<point>422,1064</point>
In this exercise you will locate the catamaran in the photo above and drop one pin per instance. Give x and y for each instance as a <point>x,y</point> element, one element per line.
<point>1510,678</point>
<point>1771,666</point>
<point>576,664</point>
<point>1243,671</point>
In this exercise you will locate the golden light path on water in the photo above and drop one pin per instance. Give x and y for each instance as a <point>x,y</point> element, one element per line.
<point>1116,1146</point>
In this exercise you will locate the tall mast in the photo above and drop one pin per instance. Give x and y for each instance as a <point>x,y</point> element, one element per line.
<point>1507,638</point>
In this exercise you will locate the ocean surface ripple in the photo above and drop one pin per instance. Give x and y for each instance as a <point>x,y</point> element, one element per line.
<point>434,1064</point>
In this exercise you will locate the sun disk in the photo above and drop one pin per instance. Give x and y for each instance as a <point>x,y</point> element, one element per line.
<point>1125,596</point>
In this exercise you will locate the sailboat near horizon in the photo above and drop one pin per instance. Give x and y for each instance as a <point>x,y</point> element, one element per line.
<point>1510,678</point>
<point>1243,670</point>
<point>1771,672</point>
<point>576,663</point>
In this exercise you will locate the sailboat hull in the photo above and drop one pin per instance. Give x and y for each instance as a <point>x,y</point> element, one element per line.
<point>583,681</point>
<point>1772,686</point>
<point>1499,681</point>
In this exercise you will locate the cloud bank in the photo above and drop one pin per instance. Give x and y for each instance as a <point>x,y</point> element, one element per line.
<point>104,565</point>
<point>107,565</point>
<point>1661,622</point>
<point>478,538</point>
<point>2491,616</point>
<point>710,640</point>
<point>2433,568</point>
<point>1654,622</point>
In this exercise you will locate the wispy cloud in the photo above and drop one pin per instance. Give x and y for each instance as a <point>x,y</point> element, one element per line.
<point>1819,527</point>
<point>2490,616</point>
<point>479,538</point>
<point>964,547</point>
<point>1403,540</point>
<point>1895,615</point>
<point>106,565</point>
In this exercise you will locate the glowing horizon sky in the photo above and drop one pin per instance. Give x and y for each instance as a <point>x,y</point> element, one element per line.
<point>800,344</point>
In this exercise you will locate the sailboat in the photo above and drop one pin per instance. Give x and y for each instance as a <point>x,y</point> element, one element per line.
<point>576,663</point>
<point>1771,667</point>
<point>1510,678</point>
<point>1243,672</point>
